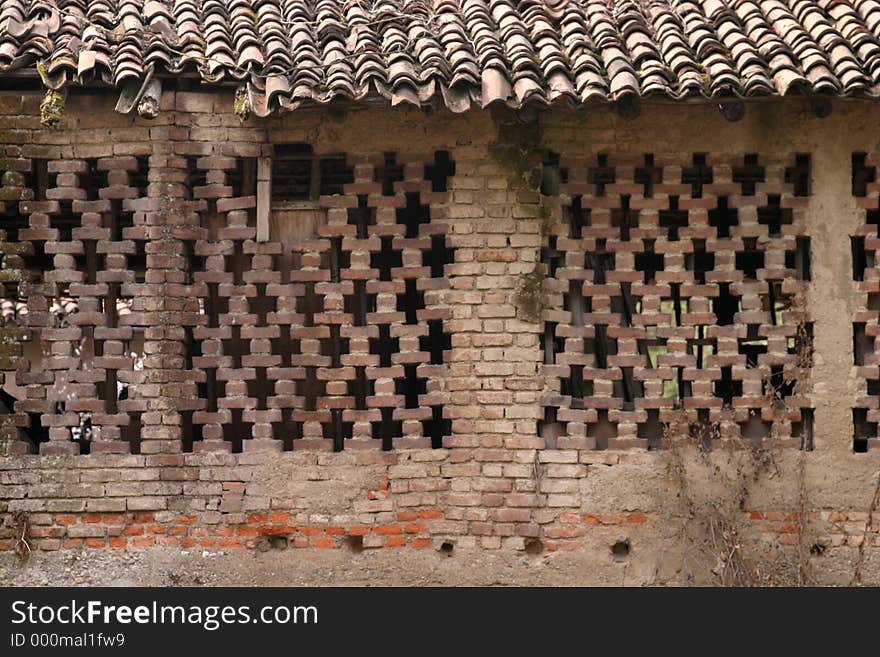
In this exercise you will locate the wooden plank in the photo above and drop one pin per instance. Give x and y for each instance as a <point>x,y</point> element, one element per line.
<point>264,197</point>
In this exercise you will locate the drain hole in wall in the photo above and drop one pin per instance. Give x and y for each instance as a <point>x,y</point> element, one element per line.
<point>817,550</point>
<point>534,546</point>
<point>620,550</point>
<point>278,542</point>
<point>446,548</point>
<point>355,543</point>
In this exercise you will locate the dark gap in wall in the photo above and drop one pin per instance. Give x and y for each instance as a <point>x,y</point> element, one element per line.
<point>648,175</point>
<point>673,219</point>
<point>700,261</point>
<point>863,430</point>
<point>292,172</point>
<point>310,388</point>
<point>437,427</point>
<point>360,388</point>
<point>749,174</point>
<point>781,387</point>
<point>648,261</point>
<point>552,343</point>
<point>859,258</point>
<point>755,429</point>
<point>339,258</point>
<point>726,388</point>
<point>335,346</point>
<point>387,428</point>
<point>438,256</point>
<point>624,218</point>
<point>310,304</point>
<point>872,218</point>
<point>862,344</point>
<point>261,305</point>
<point>92,180</point>
<point>602,346</point>
<point>575,302</point>
<point>861,174</point>
<point>723,217</point>
<point>441,171</point>
<point>140,177</point>
<point>195,177</point>
<point>602,430</point>
<point>774,292</point>
<point>386,259</point>
<point>363,216</point>
<point>337,430</point>
<point>411,301</point>
<point>37,179</point>
<point>601,175</point>
<point>550,175</point>
<point>188,431</point>
<point>387,173</point>
<point>697,175</point>
<point>411,386</point>
<point>243,177</point>
<point>803,430</point>
<point>750,259</point>
<point>384,346</point>
<point>335,173</point>
<point>414,214</point>
<point>799,259</point>
<point>359,304</point>
<point>131,432</point>
<point>651,430</point>
<point>550,428</point>
<point>551,256</point>
<point>799,174</point>
<point>600,261</point>
<point>436,342</point>
<point>751,348</point>
<point>575,386</point>
<point>235,431</point>
<point>774,216</point>
<point>577,217</point>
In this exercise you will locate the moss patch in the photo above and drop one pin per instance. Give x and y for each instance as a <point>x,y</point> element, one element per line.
<point>529,296</point>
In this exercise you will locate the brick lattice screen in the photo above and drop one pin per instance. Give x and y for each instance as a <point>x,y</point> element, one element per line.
<point>674,282</point>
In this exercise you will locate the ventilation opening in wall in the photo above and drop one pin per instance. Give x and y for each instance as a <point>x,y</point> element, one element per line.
<point>648,175</point>
<point>799,174</point>
<point>749,174</point>
<point>697,175</point>
<point>550,429</point>
<point>550,174</point>
<point>802,431</point>
<point>440,171</point>
<point>861,258</point>
<point>389,173</point>
<point>601,175</point>
<point>298,174</point>
<point>863,430</point>
<point>862,174</point>
<point>243,177</point>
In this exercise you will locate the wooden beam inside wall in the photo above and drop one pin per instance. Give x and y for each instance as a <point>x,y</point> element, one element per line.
<point>264,197</point>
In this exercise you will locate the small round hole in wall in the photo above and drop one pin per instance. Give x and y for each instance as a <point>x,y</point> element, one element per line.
<point>534,546</point>
<point>355,543</point>
<point>446,548</point>
<point>817,549</point>
<point>620,550</point>
<point>278,542</point>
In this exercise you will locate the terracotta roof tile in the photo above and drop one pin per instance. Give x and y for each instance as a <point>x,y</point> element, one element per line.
<point>460,52</point>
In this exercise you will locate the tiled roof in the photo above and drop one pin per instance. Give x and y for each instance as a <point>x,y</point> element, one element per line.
<point>465,52</point>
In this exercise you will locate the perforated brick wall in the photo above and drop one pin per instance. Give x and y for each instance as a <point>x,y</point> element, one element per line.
<point>444,332</point>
